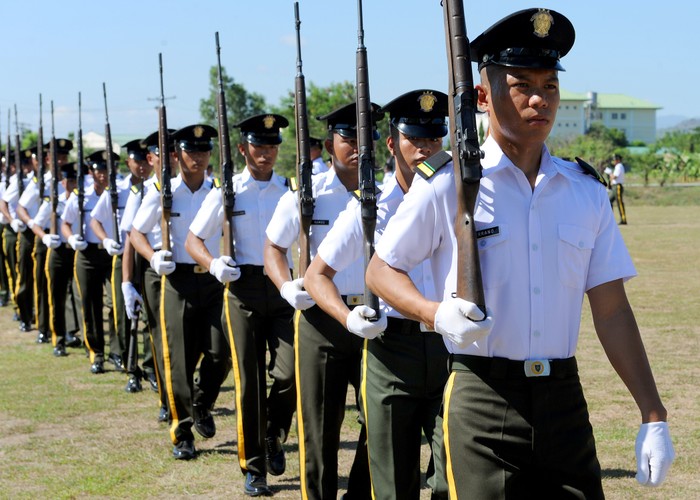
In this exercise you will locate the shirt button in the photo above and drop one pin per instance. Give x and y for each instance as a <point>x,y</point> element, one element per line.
<point>536,333</point>
<point>536,290</point>
<point>535,246</point>
<point>482,243</point>
<point>580,244</point>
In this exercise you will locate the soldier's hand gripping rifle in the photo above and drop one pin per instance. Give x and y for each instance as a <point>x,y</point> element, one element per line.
<point>112,170</point>
<point>81,173</point>
<point>466,154</point>
<point>227,194</point>
<point>18,157</point>
<point>166,195</point>
<point>40,153</point>
<point>54,178</point>
<point>304,165</point>
<point>365,160</point>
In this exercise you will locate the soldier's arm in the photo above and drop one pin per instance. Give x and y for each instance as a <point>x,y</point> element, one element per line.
<point>98,229</point>
<point>276,266</point>
<point>141,244</point>
<point>5,210</point>
<point>318,281</point>
<point>22,214</point>
<point>198,250</point>
<point>127,260</point>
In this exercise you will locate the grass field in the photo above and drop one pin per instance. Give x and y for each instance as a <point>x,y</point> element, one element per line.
<point>65,433</point>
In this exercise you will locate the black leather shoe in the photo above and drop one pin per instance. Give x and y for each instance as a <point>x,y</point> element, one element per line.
<point>204,422</point>
<point>15,317</point>
<point>274,456</point>
<point>72,340</point>
<point>97,367</point>
<point>42,337</point>
<point>184,450</point>
<point>152,380</point>
<point>133,384</point>
<point>256,486</point>
<point>116,360</point>
<point>59,351</point>
<point>163,414</point>
<point>25,327</point>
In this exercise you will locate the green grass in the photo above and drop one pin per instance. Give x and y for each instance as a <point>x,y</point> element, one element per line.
<point>65,433</point>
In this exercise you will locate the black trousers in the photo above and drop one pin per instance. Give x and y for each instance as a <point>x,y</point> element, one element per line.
<point>59,276</point>
<point>24,288</point>
<point>509,436</point>
<point>41,293</point>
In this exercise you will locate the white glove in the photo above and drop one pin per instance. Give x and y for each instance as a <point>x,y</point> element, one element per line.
<point>51,240</point>
<point>462,322</point>
<point>113,248</point>
<point>655,453</point>
<point>77,243</point>
<point>298,298</point>
<point>18,226</point>
<point>30,223</point>
<point>224,269</point>
<point>160,264</point>
<point>131,299</point>
<point>358,322</point>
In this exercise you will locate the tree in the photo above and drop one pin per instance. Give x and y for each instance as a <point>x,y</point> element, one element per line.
<point>240,104</point>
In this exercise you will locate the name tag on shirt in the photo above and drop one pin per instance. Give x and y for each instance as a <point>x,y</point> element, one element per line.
<point>489,231</point>
<point>319,222</point>
<point>174,214</point>
<point>238,212</point>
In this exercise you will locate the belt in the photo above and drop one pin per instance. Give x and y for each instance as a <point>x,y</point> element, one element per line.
<point>402,325</point>
<point>191,268</point>
<point>250,270</point>
<point>353,299</point>
<point>99,246</point>
<point>509,369</point>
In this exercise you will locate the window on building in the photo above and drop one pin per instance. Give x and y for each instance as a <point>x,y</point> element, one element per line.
<point>574,107</point>
<point>614,116</point>
<point>623,116</point>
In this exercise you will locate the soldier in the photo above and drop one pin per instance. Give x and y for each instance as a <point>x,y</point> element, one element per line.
<point>405,369</point>
<point>255,315</point>
<point>327,356</point>
<point>316,150</point>
<point>27,207</point>
<point>92,263</point>
<point>59,264</point>
<point>191,298</point>
<point>24,266</point>
<point>5,294</point>
<point>516,422</point>
<point>102,223</point>
<point>132,274</point>
<point>9,235</point>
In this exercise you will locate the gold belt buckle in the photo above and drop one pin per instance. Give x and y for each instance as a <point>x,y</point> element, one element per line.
<point>355,300</point>
<point>199,269</point>
<point>537,368</point>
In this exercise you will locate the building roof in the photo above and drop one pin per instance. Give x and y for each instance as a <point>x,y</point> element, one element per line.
<point>609,101</point>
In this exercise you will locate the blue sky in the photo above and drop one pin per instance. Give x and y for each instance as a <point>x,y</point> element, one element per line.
<point>643,49</point>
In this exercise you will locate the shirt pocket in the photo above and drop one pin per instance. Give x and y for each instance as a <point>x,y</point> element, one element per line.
<point>495,257</point>
<point>574,255</point>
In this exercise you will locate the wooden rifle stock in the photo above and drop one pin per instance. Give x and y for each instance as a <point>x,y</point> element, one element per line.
<point>166,195</point>
<point>54,178</point>
<point>40,153</point>
<point>18,157</point>
<point>81,173</point>
<point>365,160</point>
<point>227,194</point>
<point>304,165</point>
<point>112,170</point>
<point>466,155</point>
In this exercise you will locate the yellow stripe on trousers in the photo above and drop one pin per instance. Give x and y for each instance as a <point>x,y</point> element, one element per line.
<point>446,437</point>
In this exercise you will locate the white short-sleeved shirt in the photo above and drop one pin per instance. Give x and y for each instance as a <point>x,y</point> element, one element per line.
<point>318,166</point>
<point>185,206</point>
<point>539,251</point>
<point>619,174</point>
<point>3,219</point>
<point>254,204</point>
<point>71,214</point>
<point>43,215</point>
<point>103,211</point>
<point>133,202</point>
<point>11,194</point>
<point>330,198</point>
<point>344,244</point>
<point>31,199</point>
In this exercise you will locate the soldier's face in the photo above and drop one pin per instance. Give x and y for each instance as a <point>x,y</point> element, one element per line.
<point>522,103</point>
<point>413,150</point>
<point>139,168</point>
<point>101,178</point>
<point>194,162</point>
<point>260,159</point>
<point>344,151</point>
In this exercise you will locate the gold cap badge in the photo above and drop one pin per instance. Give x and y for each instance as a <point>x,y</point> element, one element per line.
<point>198,132</point>
<point>269,121</point>
<point>427,101</point>
<point>104,155</point>
<point>62,143</point>
<point>541,22</point>
<point>28,154</point>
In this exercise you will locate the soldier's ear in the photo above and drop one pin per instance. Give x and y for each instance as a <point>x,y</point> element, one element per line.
<point>481,92</point>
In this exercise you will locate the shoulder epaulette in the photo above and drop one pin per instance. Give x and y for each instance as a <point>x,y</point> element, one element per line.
<point>292,183</point>
<point>36,180</point>
<point>217,182</point>
<point>357,193</point>
<point>47,198</point>
<point>428,168</point>
<point>157,186</point>
<point>588,169</point>
<point>75,191</point>
<point>136,188</point>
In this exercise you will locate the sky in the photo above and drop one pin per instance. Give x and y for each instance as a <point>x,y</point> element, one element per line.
<point>639,48</point>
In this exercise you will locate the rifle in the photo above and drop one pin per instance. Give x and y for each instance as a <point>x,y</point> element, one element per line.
<point>7,153</point>
<point>365,160</point>
<point>228,197</point>
<point>112,169</point>
<point>304,166</point>
<point>81,173</point>
<point>18,157</point>
<point>466,154</point>
<point>166,195</point>
<point>54,178</point>
<point>40,153</point>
